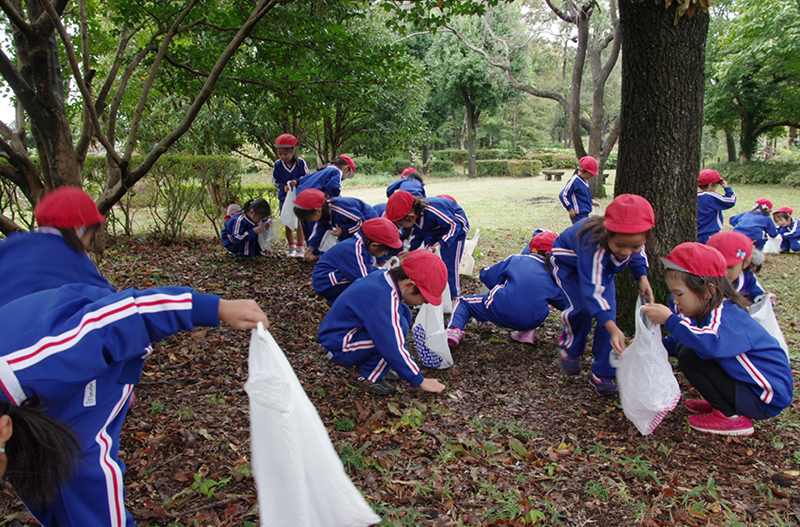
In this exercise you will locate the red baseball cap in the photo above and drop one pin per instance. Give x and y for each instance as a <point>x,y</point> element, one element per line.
<point>543,241</point>
<point>67,208</point>
<point>383,231</point>
<point>399,205</point>
<point>697,259</point>
<point>408,171</point>
<point>350,163</point>
<point>427,271</point>
<point>451,198</point>
<point>589,164</point>
<point>310,199</point>
<point>286,141</point>
<point>764,202</point>
<point>629,214</point>
<point>787,210</point>
<point>708,177</point>
<point>734,246</point>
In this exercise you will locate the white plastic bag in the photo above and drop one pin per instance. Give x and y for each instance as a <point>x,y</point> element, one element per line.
<point>266,236</point>
<point>288,218</point>
<point>328,241</point>
<point>430,337</point>
<point>648,389</point>
<point>762,311</point>
<point>773,245</point>
<point>467,264</point>
<point>300,479</point>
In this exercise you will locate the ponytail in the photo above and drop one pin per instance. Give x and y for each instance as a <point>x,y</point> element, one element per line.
<point>41,453</point>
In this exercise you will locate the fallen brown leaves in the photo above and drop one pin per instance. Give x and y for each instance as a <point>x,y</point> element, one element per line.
<point>512,441</point>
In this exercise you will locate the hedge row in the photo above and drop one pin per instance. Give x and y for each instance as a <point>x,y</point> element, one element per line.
<point>759,172</point>
<point>508,168</point>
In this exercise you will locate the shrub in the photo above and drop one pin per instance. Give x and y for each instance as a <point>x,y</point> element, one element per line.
<point>792,180</point>
<point>611,162</point>
<point>556,160</point>
<point>524,167</point>
<point>459,157</point>
<point>442,165</point>
<point>441,175</point>
<point>755,172</point>
<point>365,165</point>
<point>311,160</point>
<point>492,167</point>
<point>490,154</point>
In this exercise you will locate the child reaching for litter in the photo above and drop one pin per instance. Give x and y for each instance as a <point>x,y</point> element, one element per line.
<point>240,233</point>
<point>736,365</point>
<point>521,290</point>
<point>342,216</point>
<point>365,330</point>
<point>352,259</point>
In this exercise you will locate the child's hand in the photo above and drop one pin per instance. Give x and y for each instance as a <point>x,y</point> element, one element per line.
<point>657,313</point>
<point>309,252</point>
<point>258,228</point>
<point>242,314</point>
<point>336,231</point>
<point>617,337</point>
<point>571,213</point>
<point>723,183</point>
<point>432,386</point>
<point>402,254</point>
<point>772,296</point>
<point>645,290</point>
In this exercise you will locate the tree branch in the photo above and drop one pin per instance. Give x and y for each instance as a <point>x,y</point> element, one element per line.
<point>768,126</point>
<point>23,91</point>
<point>16,19</point>
<point>7,226</point>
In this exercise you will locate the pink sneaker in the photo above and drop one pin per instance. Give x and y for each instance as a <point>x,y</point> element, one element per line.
<point>717,423</point>
<point>526,337</point>
<point>454,336</point>
<point>698,406</point>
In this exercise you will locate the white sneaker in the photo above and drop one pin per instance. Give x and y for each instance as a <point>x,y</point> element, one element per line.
<point>297,252</point>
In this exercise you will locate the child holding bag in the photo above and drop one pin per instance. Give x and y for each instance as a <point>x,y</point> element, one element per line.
<point>365,329</point>
<point>438,220</point>
<point>586,259</point>
<point>287,173</point>
<point>736,365</point>
<point>521,290</point>
<point>342,216</point>
<point>352,259</point>
<point>240,233</point>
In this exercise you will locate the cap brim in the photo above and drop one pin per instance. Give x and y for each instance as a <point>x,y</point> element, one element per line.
<point>672,265</point>
<point>399,244</point>
<point>434,301</point>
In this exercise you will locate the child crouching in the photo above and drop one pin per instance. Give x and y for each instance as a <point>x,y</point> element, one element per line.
<point>365,329</point>
<point>739,369</point>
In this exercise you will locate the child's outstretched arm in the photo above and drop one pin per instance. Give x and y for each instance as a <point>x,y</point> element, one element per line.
<point>617,336</point>
<point>645,289</point>
<point>242,314</point>
<point>432,386</point>
<point>657,313</point>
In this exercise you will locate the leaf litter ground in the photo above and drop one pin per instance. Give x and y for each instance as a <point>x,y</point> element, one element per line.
<point>512,441</point>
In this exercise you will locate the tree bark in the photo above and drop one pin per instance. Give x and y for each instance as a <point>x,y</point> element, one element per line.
<point>663,81</point>
<point>731,145</point>
<point>472,118</point>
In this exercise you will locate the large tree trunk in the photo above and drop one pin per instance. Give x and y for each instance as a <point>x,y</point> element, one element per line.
<point>663,80</point>
<point>730,143</point>
<point>472,120</point>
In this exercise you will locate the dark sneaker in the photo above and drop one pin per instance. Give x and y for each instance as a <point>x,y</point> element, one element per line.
<point>717,423</point>
<point>569,365</point>
<point>378,388</point>
<point>604,386</point>
<point>698,406</point>
<point>391,375</point>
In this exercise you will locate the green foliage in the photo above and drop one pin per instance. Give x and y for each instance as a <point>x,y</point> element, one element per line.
<point>366,166</point>
<point>524,167</point>
<point>207,487</point>
<point>459,157</point>
<point>792,180</point>
<point>556,160</point>
<point>491,154</point>
<point>496,168</point>
<point>442,166</point>
<point>611,162</point>
<point>755,172</point>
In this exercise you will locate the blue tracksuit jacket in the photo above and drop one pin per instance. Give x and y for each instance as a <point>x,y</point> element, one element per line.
<point>790,235</point>
<point>410,185</point>
<point>283,174</point>
<point>755,226</point>
<point>748,285</point>
<point>342,265</point>
<point>347,214</point>
<point>743,348</point>
<point>69,346</point>
<point>709,212</point>
<point>578,196</point>
<point>35,261</point>
<point>238,236</point>
<point>328,180</point>
<point>367,327</point>
<point>520,289</point>
<point>586,273</point>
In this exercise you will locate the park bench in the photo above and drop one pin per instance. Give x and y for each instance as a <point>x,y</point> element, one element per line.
<point>553,174</point>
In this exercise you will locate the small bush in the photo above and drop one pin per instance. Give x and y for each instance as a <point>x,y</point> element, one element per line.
<point>365,165</point>
<point>611,162</point>
<point>442,165</point>
<point>492,167</point>
<point>490,154</point>
<point>524,167</point>
<point>459,157</point>
<point>311,160</point>
<point>792,180</point>
<point>755,172</point>
<point>556,160</point>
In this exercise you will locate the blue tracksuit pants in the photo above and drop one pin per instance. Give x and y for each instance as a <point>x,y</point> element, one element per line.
<point>451,255</point>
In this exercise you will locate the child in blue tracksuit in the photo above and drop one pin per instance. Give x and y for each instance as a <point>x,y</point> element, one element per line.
<point>287,173</point>
<point>365,330</point>
<point>353,259</point>
<point>756,223</point>
<point>736,365</point>
<point>737,249</point>
<point>433,220</point>
<point>341,216</point>
<point>329,179</point>
<point>240,233</point>
<point>586,259</point>
<point>521,290</point>
<point>788,228</point>
<point>63,357</point>
<point>710,203</point>
<point>409,181</point>
<point>576,196</point>
<point>54,255</point>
